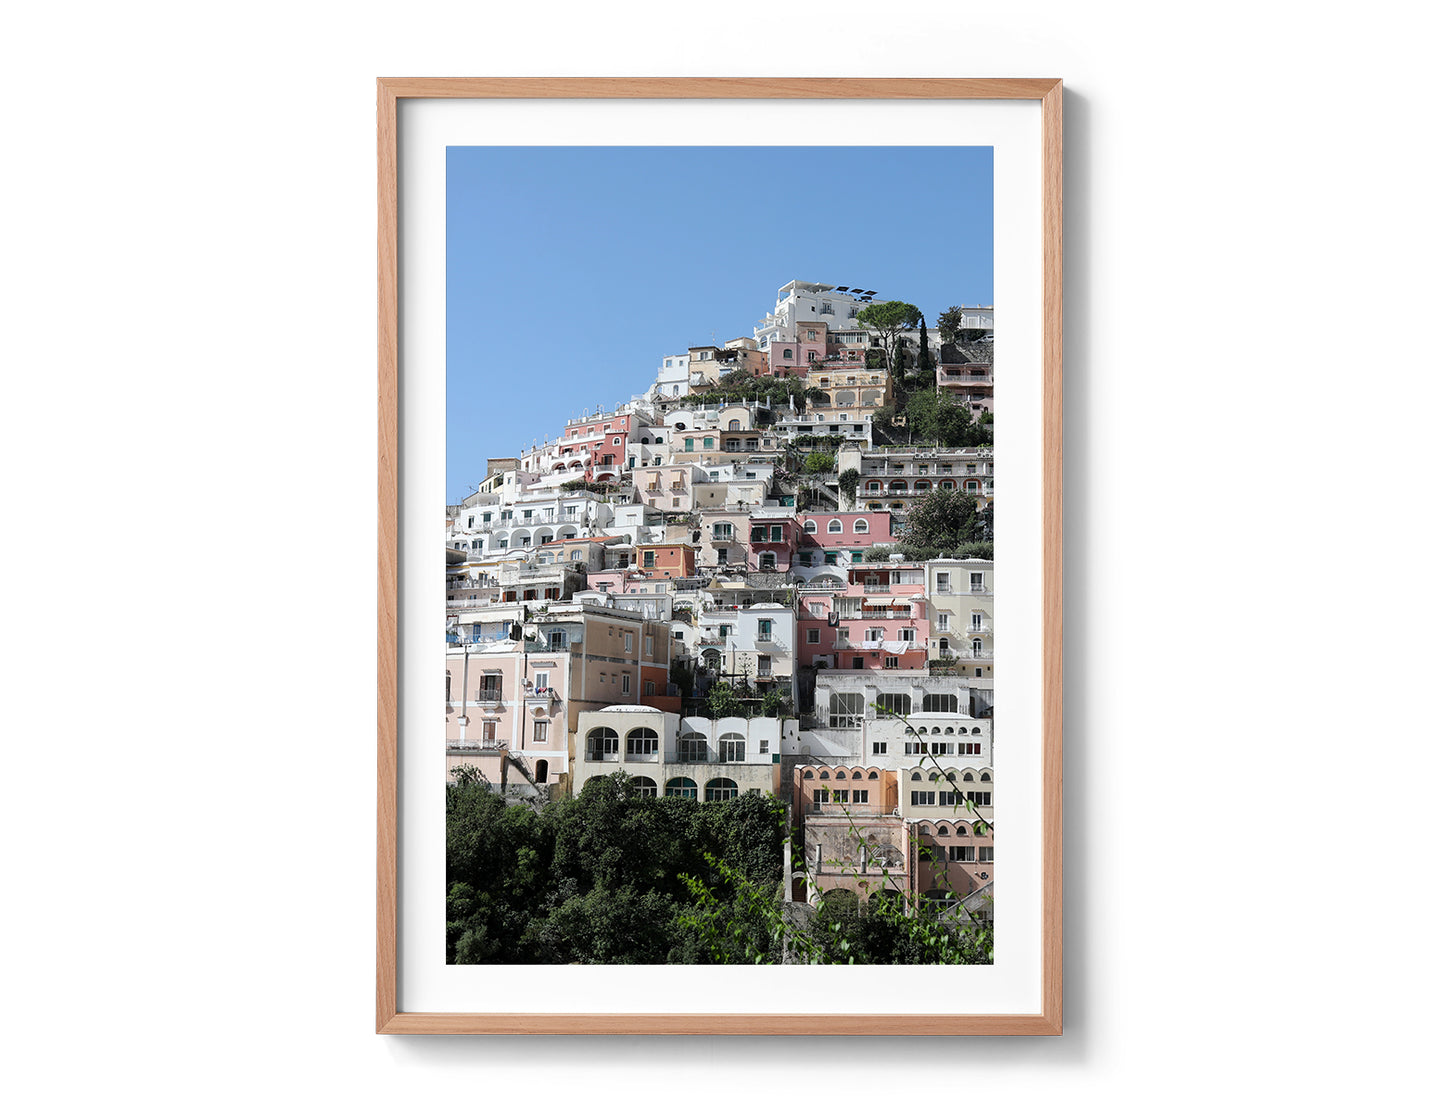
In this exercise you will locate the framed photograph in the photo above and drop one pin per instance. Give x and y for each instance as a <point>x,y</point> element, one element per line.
<point>720,432</point>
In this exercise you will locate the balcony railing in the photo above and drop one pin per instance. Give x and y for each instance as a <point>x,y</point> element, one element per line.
<point>472,745</point>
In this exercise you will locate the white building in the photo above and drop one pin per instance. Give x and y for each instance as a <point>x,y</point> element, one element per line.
<point>834,305</point>
<point>666,754</point>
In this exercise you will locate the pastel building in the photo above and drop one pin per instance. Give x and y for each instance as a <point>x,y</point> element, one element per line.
<point>852,841</point>
<point>757,641</point>
<point>772,539</point>
<point>669,755</point>
<point>960,611</point>
<point>969,384</point>
<point>665,561</point>
<point>841,539</point>
<point>518,677</point>
<point>892,476</point>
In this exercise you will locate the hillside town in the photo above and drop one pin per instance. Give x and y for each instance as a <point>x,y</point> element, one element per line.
<point>769,573</point>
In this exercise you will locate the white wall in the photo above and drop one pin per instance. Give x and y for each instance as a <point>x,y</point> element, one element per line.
<point>190,285</point>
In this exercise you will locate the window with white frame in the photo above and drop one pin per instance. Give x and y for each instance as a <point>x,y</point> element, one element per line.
<point>835,526</point>
<point>860,525</point>
<point>733,748</point>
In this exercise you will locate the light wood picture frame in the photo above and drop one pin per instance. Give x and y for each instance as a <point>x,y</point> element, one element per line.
<point>391,93</point>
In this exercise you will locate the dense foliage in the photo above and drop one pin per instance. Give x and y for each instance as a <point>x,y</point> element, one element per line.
<point>595,879</point>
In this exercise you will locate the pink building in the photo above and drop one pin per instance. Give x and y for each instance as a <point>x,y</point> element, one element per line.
<point>772,542</point>
<point>808,350</point>
<point>602,442</point>
<point>878,621</point>
<point>841,538</point>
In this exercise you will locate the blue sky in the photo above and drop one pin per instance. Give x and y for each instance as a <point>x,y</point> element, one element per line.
<point>572,271</point>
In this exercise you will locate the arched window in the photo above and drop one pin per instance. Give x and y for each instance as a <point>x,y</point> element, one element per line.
<point>860,525</point>
<point>733,748</point>
<point>835,526</point>
<point>810,526</point>
<point>718,790</point>
<point>937,730</point>
<point>968,777</point>
<point>975,730</point>
<point>642,744</point>
<point>948,729</point>
<point>917,776</point>
<point>947,484</point>
<point>642,785</point>
<point>943,831</point>
<point>825,775</point>
<point>787,353</point>
<point>681,787</point>
<point>735,425</point>
<point>875,487</point>
<point>602,744</point>
<point>808,775</point>
<point>857,776</point>
<point>985,777</point>
<point>692,746</point>
<point>873,776</point>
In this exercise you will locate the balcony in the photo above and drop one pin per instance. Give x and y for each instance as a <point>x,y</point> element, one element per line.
<point>470,745</point>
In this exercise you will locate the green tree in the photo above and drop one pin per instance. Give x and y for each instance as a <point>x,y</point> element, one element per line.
<point>848,482</point>
<point>925,357</point>
<point>819,463</point>
<point>890,319</point>
<point>949,322</point>
<point>942,521</point>
<point>723,701</point>
<point>900,357</point>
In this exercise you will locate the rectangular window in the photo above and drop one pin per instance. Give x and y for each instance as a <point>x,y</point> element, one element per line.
<point>777,533</point>
<point>760,533</point>
<point>845,709</point>
<point>942,622</point>
<point>908,633</point>
<point>687,443</point>
<point>960,853</point>
<point>890,662</point>
<point>765,666</point>
<point>860,796</point>
<point>923,799</point>
<point>539,731</point>
<point>543,680</point>
<point>880,748</point>
<point>970,749</point>
<point>975,582</point>
<point>814,636</point>
<point>981,799</point>
<point>627,642</point>
<point>943,583</point>
<point>765,629</point>
<point>649,559</point>
<point>489,731</point>
<point>985,853</point>
<point>556,640</point>
<point>820,797</point>
<point>707,442</point>
<point>950,799</point>
<point>647,643</point>
<point>840,795</point>
<point>626,683</point>
<point>490,690</point>
<point>914,748</point>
